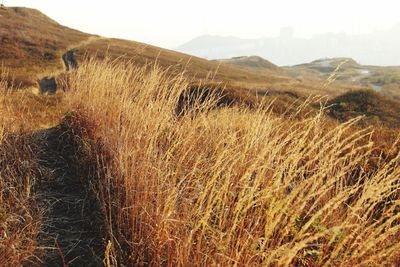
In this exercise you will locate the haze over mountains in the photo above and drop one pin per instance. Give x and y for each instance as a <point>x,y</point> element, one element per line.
<point>377,48</point>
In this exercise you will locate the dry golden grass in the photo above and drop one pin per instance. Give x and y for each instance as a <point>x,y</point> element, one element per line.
<point>244,186</point>
<point>19,215</point>
<point>20,222</point>
<point>232,186</point>
<point>31,44</point>
<point>240,186</point>
<point>27,110</point>
<point>376,108</point>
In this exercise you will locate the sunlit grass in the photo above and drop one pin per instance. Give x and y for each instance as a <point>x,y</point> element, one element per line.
<point>232,186</point>
<point>242,186</point>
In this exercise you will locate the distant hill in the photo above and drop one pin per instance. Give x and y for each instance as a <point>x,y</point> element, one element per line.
<point>385,80</point>
<point>377,48</point>
<point>31,45</point>
<point>251,62</point>
<point>328,65</point>
<point>346,69</point>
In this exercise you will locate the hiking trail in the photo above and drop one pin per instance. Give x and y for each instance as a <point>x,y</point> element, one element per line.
<point>48,83</point>
<point>71,232</point>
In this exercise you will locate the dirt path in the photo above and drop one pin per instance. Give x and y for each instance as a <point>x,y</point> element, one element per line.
<point>68,57</point>
<point>68,62</point>
<point>84,42</point>
<point>71,231</point>
<point>76,47</point>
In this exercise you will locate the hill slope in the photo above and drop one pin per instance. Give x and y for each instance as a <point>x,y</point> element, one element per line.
<point>121,180</point>
<point>385,80</point>
<point>377,109</point>
<point>251,62</point>
<point>32,45</point>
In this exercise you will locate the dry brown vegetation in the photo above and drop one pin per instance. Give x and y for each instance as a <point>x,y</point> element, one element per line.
<point>20,222</point>
<point>232,186</point>
<point>376,108</point>
<point>32,45</point>
<point>263,179</point>
<point>237,186</point>
<point>19,216</point>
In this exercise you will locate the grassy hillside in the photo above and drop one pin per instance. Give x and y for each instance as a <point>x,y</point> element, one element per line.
<point>252,62</point>
<point>376,108</point>
<point>31,44</point>
<point>236,185</point>
<point>141,164</point>
<point>385,80</point>
<point>142,54</point>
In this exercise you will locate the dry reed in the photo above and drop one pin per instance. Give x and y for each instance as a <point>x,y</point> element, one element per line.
<point>231,187</point>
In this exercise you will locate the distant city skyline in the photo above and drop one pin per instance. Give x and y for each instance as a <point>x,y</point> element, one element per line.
<point>172,23</point>
<point>376,48</point>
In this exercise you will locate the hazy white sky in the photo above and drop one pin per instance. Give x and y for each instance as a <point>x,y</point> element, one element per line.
<point>170,23</point>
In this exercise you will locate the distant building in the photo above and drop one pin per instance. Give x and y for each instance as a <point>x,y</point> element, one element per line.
<point>286,33</point>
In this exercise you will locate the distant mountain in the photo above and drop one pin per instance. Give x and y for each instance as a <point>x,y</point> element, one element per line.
<point>378,48</point>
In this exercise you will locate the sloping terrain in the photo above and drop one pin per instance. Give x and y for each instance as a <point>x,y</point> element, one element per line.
<point>198,68</point>
<point>119,175</point>
<point>385,80</point>
<point>251,62</point>
<point>32,45</point>
<point>377,109</point>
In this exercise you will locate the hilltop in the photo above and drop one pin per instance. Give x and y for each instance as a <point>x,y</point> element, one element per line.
<point>32,45</point>
<point>250,62</point>
<point>385,80</point>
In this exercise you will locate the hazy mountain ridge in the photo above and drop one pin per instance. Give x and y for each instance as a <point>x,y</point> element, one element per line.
<point>377,48</point>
